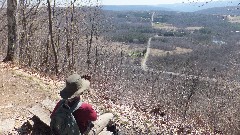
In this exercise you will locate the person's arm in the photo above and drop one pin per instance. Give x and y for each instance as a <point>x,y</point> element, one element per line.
<point>92,114</point>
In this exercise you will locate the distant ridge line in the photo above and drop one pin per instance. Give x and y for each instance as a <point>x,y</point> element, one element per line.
<point>178,7</point>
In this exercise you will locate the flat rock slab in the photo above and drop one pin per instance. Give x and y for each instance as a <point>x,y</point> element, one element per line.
<point>7,125</point>
<point>42,114</point>
<point>48,104</point>
<point>43,110</point>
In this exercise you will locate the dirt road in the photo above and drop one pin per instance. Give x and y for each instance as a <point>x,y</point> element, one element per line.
<point>144,60</point>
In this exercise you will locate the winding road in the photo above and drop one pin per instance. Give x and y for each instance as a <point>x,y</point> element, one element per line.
<point>144,60</point>
<point>145,67</point>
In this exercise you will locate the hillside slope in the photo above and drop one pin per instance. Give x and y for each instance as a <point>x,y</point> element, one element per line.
<point>21,89</point>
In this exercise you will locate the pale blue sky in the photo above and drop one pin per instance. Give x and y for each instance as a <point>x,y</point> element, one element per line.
<point>146,2</point>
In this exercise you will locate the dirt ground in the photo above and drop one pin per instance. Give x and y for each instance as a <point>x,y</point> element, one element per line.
<point>20,91</point>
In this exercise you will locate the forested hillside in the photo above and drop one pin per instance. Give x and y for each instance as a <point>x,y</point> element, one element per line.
<point>158,72</point>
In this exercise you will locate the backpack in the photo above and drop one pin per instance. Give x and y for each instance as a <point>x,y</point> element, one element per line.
<point>63,121</point>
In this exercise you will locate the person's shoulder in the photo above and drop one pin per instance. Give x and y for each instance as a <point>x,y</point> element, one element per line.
<point>86,106</point>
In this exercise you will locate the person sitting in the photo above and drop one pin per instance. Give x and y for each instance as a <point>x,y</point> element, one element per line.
<point>83,113</point>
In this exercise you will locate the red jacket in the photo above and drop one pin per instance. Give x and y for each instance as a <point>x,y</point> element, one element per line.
<point>83,115</point>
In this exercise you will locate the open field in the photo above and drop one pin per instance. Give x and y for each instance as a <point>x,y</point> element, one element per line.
<point>193,28</point>
<point>164,26</point>
<point>177,51</point>
<point>168,27</point>
<point>128,49</point>
<point>233,19</point>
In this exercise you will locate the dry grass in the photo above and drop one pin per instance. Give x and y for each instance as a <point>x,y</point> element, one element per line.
<point>116,47</point>
<point>177,51</point>
<point>164,26</point>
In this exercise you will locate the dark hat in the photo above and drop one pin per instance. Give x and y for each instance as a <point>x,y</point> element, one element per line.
<point>74,85</point>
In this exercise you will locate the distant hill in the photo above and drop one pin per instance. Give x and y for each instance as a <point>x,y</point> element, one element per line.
<point>134,8</point>
<point>197,6</point>
<point>235,10</point>
<point>181,7</point>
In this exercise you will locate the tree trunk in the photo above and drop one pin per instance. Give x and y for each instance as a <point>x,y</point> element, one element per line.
<point>23,33</point>
<point>12,29</point>
<point>51,37</point>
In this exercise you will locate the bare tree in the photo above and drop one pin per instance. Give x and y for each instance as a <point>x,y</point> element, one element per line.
<point>12,29</point>
<point>51,36</point>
